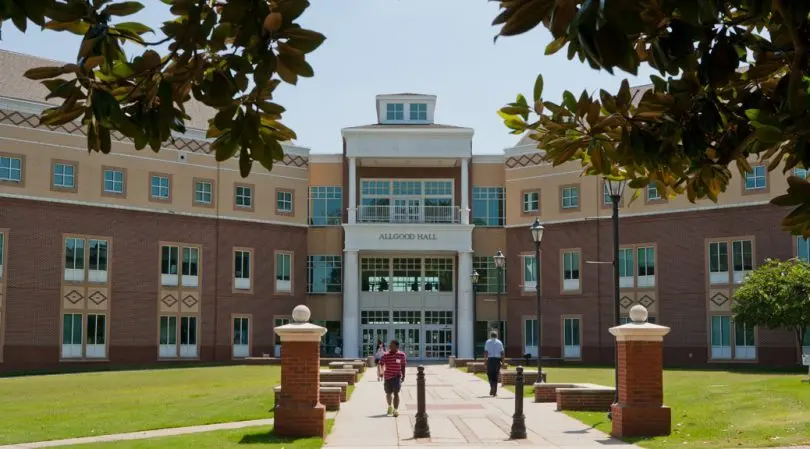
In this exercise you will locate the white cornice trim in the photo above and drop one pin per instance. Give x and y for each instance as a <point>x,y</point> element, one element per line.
<point>547,175</point>
<point>347,132</point>
<point>325,158</point>
<point>210,216</point>
<point>645,214</point>
<point>495,159</point>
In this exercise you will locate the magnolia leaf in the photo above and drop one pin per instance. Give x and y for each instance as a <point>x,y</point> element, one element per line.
<point>134,27</point>
<point>556,45</point>
<point>768,134</point>
<point>122,9</point>
<point>272,22</point>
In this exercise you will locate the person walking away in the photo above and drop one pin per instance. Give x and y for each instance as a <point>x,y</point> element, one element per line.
<point>378,353</point>
<point>493,354</point>
<point>393,363</point>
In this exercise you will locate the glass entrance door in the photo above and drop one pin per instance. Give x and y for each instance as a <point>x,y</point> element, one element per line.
<point>438,343</point>
<point>407,210</point>
<point>371,335</point>
<point>409,341</point>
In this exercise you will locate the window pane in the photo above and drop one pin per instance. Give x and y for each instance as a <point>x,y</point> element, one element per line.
<point>74,253</point>
<point>529,269</point>
<point>188,330</point>
<point>720,330</point>
<point>168,259</point>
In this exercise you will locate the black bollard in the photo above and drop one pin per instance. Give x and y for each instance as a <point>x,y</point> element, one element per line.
<point>421,428</point>
<point>518,419</point>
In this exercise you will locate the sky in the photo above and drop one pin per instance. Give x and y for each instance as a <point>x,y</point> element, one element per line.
<point>439,47</point>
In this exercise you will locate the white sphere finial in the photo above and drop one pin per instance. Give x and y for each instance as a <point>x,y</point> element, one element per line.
<point>638,314</point>
<point>301,314</point>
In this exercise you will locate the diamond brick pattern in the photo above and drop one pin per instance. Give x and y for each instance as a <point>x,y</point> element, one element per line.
<point>97,297</point>
<point>169,300</point>
<point>646,301</point>
<point>74,296</point>
<point>524,160</point>
<point>190,301</point>
<point>719,299</point>
<point>625,302</point>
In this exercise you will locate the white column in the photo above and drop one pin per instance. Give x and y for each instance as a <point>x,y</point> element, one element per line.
<point>465,191</point>
<point>352,191</point>
<point>351,306</point>
<point>465,306</point>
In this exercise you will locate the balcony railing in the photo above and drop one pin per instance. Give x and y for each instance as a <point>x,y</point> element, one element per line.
<point>408,214</point>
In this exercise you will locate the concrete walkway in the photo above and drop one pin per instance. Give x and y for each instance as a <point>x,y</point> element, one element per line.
<point>460,414</point>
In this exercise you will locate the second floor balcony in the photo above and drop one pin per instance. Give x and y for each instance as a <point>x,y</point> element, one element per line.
<point>412,211</point>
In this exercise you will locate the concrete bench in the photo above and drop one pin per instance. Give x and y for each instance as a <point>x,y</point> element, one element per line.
<point>344,386</point>
<point>329,397</point>
<point>546,392</point>
<point>476,367</point>
<point>359,365</point>
<point>591,398</point>
<point>508,377</point>
<point>339,375</point>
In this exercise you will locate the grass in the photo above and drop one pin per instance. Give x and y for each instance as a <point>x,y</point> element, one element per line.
<point>38,408</point>
<point>714,408</point>
<point>255,436</point>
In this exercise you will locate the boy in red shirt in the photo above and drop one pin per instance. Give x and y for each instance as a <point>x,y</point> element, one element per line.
<point>393,363</point>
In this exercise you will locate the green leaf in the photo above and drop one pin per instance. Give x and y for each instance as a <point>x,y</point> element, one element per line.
<point>41,73</point>
<point>122,9</point>
<point>245,163</point>
<point>134,27</point>
<point>555,45</point>
<point>769,134</point>
<point>304,40</point>
<point>76,27</point>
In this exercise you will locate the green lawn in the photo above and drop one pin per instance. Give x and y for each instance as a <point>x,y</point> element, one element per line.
<point>36,408</point>
<point>254,436</point>
<point>715,409</point>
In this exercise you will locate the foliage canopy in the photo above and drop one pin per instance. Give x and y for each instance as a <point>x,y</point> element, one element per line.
<point>229,54</point>
<point>734,82</point>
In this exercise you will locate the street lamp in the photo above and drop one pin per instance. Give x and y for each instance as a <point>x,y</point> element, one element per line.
<point>537,236</point>
<point>500,261</point>
<point>474,278</point>
<point>615,188</point>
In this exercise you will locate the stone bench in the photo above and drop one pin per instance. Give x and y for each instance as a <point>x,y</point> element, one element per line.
<point>329,397</point>
<point>359,365</point>
<point>571,396</point>
<point>476,367</point>
<point>344,386</point>
<point>339,375</point>
<point>508,377</point>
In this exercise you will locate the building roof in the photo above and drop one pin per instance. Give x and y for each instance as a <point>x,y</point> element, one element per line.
<point>14,85</point>
<point>404,126</point>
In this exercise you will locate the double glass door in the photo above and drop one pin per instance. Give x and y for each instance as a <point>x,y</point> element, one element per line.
<point>438,343</point>
<point>409,340</point>
<point>372,335</point>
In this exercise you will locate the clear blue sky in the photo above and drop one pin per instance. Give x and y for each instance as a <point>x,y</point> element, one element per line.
<point>439,47</point>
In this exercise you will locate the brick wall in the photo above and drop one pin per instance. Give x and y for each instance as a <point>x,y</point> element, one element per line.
<point>584,399</point>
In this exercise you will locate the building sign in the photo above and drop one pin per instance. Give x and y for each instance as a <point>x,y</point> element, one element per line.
<point>398,236</point>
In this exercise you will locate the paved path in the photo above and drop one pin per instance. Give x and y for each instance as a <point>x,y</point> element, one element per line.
<point>460,414</point>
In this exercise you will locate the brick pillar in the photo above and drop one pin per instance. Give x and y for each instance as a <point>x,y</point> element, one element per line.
<point>640,411</point>
<point>299,412</point>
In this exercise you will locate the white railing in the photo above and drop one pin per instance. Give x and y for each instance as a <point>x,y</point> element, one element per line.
<point>408,214</point>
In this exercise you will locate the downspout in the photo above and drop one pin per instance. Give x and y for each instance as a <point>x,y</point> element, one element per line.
<point>216,266</point>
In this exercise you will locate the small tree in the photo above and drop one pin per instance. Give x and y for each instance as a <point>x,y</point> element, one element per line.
<point>777,296</point>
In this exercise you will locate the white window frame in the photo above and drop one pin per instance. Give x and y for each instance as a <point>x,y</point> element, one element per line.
<point>240,343</point>
<point>63,167</point>
<point>526,260</point>
<point>759,178</point>
<point>116,185</point>
<point>163,187</point>
<point>169,348</point>
<point>531,202</point>
<point>748,349</point>
<point>645,280</point>
<point>283,272</point>
<point>325,194</point>
<point>571,264</point>
<point>627,281</point>
<point>189,350</point>
<point>652,192</point>
<point>94,349</point>
<point>606,199</point>
<point>11,171</point>
<point>74,273</point>
<point>569,197</point>
<point>324,261</point>
<point>172,276</point>
<point>200,192</point>
<point>395,112</point>
<point>244,258</point>
<point>98,275</point>
<point>530,336</point>
<point>572,350</point>
<point>488,194</point>
<point>72,350</point>
<point>284,201</point>
<point>192,278</point>
<point>720,351</point>
<point>719,277</point>
<point>245,194</point>
<point>739,275</point>
<point>418,112</point>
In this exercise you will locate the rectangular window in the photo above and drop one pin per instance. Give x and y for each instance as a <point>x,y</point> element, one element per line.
<point>97,265</point>
<point>395,111</point>
<point>407,275</point>
<point>325,205</point>
<point>531,202</point>
<point>168,337</point>
<point>64,175</point>
<point>743,259</point>
<point>96,346</point>
<point>244,197</point>
<point>375,274</point>
<point>488,206</point>
<point>627,278</point>
<point>803,248</point>
<point>169,256</point>
<point>284,272</point>
<point>721,337</point>
<point>571,344</point>
<point>570,197</point>
<point>241,337</point>
<point>745,347</point>
<point>418,111</point>
<point>652,193</point>
<point>530,337</point>
<point>646,267</point>
<point>204,192</point>
<point>241,270</point>
<point>488,275</point>
<point>11,169</point>
<point>530,267</point>
<point>188,337</point>
<point>438,275</point>
<point>718,263</point>
<point>324,274</point>
<point>114,181</point>
<point>74,259</point>
<point>284,202</point>
<point>190,276</point>
<point>571,266</point>
<point>276,323</point>
<point>160,187</point>
<point>756,179</point>
<point>72,335</point>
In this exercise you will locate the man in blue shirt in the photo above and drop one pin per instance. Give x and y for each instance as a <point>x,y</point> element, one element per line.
<point>493,353</point>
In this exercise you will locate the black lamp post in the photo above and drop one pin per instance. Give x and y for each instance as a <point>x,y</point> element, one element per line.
<point>500,261</point>
<point>615,188</point>
<point>537,236</point>
<point>474,278</point>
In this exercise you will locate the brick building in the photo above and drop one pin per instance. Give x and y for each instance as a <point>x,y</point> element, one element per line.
<point>139,258</point>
